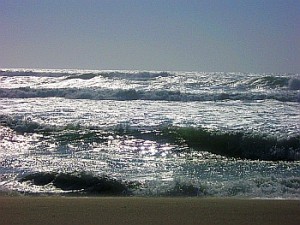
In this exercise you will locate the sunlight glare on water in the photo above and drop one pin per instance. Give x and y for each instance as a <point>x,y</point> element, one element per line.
<point>112,123</point>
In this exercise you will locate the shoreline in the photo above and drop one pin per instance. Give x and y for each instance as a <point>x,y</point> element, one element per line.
<point>147,210</point>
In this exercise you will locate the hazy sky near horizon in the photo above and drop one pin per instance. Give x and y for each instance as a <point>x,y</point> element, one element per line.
<point>190,35</point>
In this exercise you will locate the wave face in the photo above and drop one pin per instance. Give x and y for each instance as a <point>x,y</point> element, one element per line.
<point>238,144</point>
<point>149,133</point>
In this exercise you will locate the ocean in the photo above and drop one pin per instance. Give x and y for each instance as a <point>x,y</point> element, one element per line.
<point>149,133</point>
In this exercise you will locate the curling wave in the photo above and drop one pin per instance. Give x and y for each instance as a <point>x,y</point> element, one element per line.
<point>237,144</point>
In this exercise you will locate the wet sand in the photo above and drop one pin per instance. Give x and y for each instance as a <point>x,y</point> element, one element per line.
<point>139,211</point>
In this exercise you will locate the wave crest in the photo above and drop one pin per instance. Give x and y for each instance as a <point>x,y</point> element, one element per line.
<point>270,81</point>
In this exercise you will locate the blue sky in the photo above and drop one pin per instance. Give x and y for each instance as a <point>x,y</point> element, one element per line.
<point>207,35</point>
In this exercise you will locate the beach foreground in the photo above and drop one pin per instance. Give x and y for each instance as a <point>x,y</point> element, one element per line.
<point>134,210</point>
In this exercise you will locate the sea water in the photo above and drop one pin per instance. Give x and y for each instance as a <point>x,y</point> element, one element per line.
<point>149,133</point>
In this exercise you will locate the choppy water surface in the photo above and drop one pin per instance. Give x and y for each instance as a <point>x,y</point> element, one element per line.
<point>155,133</point>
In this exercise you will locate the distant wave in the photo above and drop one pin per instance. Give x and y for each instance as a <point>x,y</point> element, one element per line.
<point>34,73</point>
<point>186,86</point>
<point>122,75</point>
<point>269,81</point>
<point>132,94</point>
<point>86,75</point>
<point>239,80</point>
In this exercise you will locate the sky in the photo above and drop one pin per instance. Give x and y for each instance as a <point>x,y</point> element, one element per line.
<point>164,35</point>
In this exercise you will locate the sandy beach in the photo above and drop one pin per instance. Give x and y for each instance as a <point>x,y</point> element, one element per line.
<point>135,210</point>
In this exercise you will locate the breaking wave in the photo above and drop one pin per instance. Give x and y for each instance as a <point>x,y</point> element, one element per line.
<point>153,85</point>
<point>240,145</point>
<point>80,183</point>
<point>237,144</point>
<point>22,125</point>
<point>132,94</point>
<point>147,148</point>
